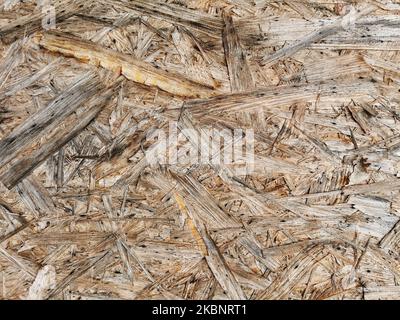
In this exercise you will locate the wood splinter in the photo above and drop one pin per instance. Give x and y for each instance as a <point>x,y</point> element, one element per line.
<point>133,69</point>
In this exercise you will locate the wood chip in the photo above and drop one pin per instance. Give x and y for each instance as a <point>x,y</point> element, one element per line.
<point>199,150</point>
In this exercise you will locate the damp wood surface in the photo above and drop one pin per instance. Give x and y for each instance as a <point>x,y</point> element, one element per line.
<point>85,213</point>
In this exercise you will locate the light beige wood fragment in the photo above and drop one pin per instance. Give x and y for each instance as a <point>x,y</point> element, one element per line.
<point>127,66</point>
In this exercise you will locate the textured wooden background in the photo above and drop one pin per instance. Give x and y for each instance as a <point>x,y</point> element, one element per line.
<point>84,216</point>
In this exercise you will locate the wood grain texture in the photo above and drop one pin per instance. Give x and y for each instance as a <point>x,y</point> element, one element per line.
<point>132,69</point>
<point>91,210</point>
<point>239,71</point>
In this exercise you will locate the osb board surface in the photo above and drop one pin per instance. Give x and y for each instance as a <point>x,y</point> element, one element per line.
<point>82,214</point>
